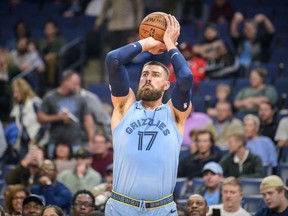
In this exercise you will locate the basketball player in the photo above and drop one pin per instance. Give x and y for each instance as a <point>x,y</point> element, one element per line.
<point>147,134</point>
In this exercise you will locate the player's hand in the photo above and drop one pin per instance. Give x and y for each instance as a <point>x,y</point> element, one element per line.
<point>153,46</point>
<point>172,32</point>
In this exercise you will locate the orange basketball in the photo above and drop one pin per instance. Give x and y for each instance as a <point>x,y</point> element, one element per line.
<point>154,25</point>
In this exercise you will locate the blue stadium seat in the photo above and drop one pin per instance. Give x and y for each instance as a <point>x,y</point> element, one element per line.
<point>208,87</point>
<point>103,92</point>
<point>196,184</point>
<point>281,84</point>
<point>57,8</point>
<point>250,185</point>
<point>199,104</point>
<point>180,188</point>
<point>284,155</point>
<point>182,202</point>
<point>71,34</point>
<point>252,202</point>
<point>252,11</point>
<point>282,171</point>
<point>188,34</point>
<point>184,152</point>
<point>240,84</point>
<point>87,22</point>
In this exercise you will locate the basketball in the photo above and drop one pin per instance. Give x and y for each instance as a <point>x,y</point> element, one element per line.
<point>154,25</point>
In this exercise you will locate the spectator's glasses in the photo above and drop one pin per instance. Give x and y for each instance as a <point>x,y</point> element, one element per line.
<point>85,204</point>
<point>47,168</point>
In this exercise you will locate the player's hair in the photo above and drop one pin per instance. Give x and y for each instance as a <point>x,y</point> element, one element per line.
<point>158,64</point>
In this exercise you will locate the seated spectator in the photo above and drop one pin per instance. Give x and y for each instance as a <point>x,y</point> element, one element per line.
<point>49,47</point>
<point>83,176</point>
<point>52,190</point>
<point>197,205</point>
<point>268,120</point>
<point>252,45</point>
<point>281,136</point>
<point>83,202</point>
<point>4,67</point>
<point>28,170</point>
<point>273,191</point>
<point>52,210</point>
<point>25,60</point>
<point>241,162</point>
<point>25,108</point>
<point>196,64</point>
<point>33,205</point>
<point>222,11</point>
<point>191,166</point>
<point>63,156</point>
<point>211,190</point>
<point>95,213</point>
<point>222,94</point>
<point>248,99</point>
<point>101,155</point>
<point>94,8</point>
<point>195,121</point>
<point>14,196</point>
<point>224,124</point>
<point>220,61</point>
<point>21,30</point>
<point>259,145</point>
<point>232,197</point>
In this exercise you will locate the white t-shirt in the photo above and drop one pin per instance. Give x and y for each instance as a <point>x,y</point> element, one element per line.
<point>281,133</point>
<point>240,212</point>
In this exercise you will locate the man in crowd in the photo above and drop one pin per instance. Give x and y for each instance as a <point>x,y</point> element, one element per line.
<point>197,205</point>
<point>32,205</point>
<point>231,196</point>
<point>273,190</point>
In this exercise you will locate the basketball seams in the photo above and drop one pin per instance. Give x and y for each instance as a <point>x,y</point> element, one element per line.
<point>145,24</point>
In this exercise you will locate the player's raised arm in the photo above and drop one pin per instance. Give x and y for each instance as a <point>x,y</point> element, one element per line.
<point>181,96</point>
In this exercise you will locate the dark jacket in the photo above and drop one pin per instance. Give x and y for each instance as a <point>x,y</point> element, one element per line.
<point>191,166</point>
<point>252,166</point>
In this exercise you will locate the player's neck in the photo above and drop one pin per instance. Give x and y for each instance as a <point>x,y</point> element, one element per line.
<point>151,105</point>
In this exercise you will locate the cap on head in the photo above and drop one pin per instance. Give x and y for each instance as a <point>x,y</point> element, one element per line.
<point>272,181</point>
<point>213,167</point>
<point>34,198</point>
<point>82,153</point>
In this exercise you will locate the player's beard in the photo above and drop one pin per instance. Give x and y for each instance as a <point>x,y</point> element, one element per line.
<point>146,94</point>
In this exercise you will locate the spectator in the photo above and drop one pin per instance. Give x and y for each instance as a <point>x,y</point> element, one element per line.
<point>95,213</point>
<point>211,190</point>
<point>27,171</point>
<point>66,112</point>
<point>33,205</point>
<point>49,47</point>
<point>220,61</point>
<point>181,210</point>
<point>232,196</point>
<point>197,205</point>
<point>101,117</point>
<point>14,196</point>
<point>24,112</point>
<point>83,203</point>
<point>196,64</point>
<point>103,191</point>
<point>224,124</point>
<point>273,191</point>
<point>281,136</point>
<point>259,145</point>
<point>94,8</point>
<point>222,11</point>
<point>191,166</point>
<point>253,45</point>
<point>268,121</point>
<point>26,61</point>
<point>195,121</point>
<point>4,68</point>
<point>222,94</point>
<point>83,176</point>
<point>248,99</point>
<point>241,162</point>
<point>52,190</point>
<point>52,210</point>
<point>63,156</point>
<point>101,155</point>
<point>124,20</point>
<point>21,30</point>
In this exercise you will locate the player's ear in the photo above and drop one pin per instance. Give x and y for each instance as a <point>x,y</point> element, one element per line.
<point>167,85</point>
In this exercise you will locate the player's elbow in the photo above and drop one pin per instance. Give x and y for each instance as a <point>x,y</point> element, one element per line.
<point>112,61</point>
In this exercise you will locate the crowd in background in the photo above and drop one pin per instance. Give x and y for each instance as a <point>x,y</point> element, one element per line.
<point>55,136</point>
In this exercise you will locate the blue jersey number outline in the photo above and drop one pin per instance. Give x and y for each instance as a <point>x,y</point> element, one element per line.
<point>141,135</point>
